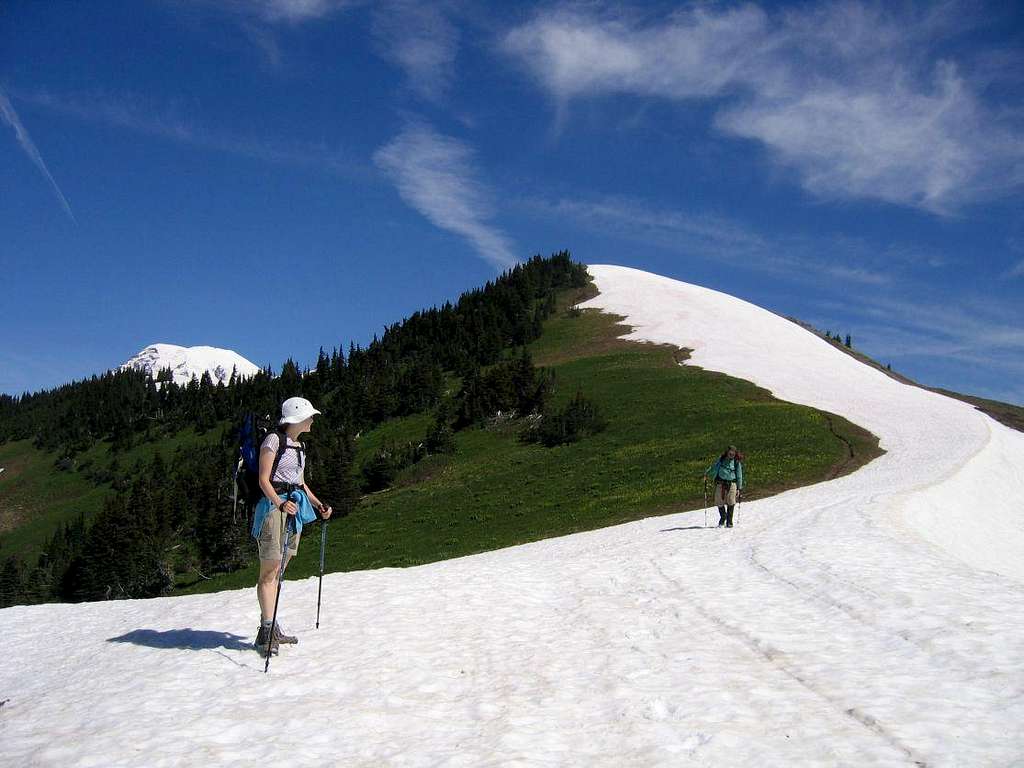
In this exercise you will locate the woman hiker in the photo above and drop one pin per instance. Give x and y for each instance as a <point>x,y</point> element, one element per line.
<point>287,504</point>
<point>727,474</point>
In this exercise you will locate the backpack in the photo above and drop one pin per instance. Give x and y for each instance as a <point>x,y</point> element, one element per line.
<point>737,465</point>
<point>251,434</point>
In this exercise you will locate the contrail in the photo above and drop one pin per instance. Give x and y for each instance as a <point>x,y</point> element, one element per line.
<point>7,110</point>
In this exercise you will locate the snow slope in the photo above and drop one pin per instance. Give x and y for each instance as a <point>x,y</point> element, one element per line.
<point>828,628</point>
<point>188,362</point>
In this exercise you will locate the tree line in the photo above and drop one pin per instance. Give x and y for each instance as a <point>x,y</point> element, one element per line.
<point>399,373</point>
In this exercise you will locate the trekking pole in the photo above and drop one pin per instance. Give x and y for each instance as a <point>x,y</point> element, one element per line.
<point>320,589</point>
<point>705,501</point>
<point>280,579</point>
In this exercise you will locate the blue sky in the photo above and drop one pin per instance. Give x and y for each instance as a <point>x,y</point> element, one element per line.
<point>273,176</point>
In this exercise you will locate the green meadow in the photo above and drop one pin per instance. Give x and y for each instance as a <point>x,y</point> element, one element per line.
<point>666,424</point>
<point>36,496</point>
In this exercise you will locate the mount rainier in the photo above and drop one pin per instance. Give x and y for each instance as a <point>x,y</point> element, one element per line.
<point>188,362</point>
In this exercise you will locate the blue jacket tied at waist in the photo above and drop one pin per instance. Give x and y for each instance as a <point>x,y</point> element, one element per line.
<point>305,513</point>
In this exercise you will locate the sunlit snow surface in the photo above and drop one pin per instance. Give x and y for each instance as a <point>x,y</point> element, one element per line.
<point>875,619</point>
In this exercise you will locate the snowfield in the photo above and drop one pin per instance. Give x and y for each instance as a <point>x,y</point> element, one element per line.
<point>877,619</point>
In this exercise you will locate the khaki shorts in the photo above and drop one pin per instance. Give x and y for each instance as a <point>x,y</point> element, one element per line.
<point>727,499</point>
<point>270,537</point>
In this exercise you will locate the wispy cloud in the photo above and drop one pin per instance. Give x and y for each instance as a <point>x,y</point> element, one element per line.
<point>283,11</point>
<point>850,96</point>
<point>720,238</point>
<point>171,122</point>
<point>956,362</point>
<point>261,21</point>
<point>265,41</point>
<point>960,334</point>
<point>11,118</point>
<point>967,325</point>
<point>419,38</point>
<point>975,340</point>
<point>1015,245</point>
<point>436,175</point>
<point>576,51</point>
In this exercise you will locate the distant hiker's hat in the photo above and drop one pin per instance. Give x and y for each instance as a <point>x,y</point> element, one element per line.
<point>296,409</point>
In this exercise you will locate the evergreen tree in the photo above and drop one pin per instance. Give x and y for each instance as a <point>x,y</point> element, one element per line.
<point>125,555</point>
<point>379,472</point>
<point>224,541</point>
<point>332,465</point>
<point>580,418</point>
<point>440,437</point>
<point>290,379</point>
<point>11,582</point>
<point>471,408</point>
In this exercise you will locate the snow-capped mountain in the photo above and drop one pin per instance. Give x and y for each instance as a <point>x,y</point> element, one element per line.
<point>188,362</point>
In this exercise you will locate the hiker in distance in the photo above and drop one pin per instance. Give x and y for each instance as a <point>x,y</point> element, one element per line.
<point>727,474</point>
<point>287,504</point>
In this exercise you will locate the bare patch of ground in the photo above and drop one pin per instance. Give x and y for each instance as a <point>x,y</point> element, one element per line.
<point>11,513</point>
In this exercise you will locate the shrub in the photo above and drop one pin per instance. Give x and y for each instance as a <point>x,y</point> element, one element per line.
<point>440,438</point>
<point>514,385</point>
<point>577,420</point>
<point>380,471</point>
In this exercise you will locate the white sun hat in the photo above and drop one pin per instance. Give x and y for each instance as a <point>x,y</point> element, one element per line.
<point>296,409</point>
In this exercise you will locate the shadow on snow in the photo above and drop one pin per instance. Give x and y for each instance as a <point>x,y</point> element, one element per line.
<point>186,639</point>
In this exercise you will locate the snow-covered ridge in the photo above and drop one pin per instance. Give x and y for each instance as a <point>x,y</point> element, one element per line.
<point>187,363</point>
<point>877,619</point>
<point>930,438</point>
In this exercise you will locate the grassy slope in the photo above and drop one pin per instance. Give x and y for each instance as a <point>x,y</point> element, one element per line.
<point>36,498</point>
<point>666,424</point>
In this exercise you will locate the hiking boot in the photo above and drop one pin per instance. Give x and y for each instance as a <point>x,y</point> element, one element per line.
<point>263,638</point>
<point>281,637</point>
